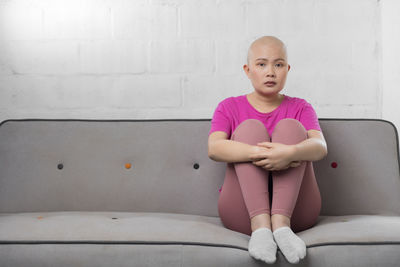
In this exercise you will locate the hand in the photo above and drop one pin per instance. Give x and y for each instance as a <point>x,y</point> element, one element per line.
<point>273,156</point>
<point>294,164</point>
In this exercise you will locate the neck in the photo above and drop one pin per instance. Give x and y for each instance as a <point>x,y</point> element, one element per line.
<point>267,100</point>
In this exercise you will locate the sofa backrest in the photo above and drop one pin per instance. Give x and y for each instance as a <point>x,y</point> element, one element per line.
<point>80,165</point>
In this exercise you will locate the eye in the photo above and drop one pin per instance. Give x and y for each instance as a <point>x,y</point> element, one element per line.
<point>261,64</point>
<point>280,64</point>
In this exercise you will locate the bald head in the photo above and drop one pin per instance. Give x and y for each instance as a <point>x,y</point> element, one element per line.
<point>262,43</point>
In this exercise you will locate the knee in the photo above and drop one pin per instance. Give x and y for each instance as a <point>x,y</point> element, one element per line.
<point>252,123</point>
<point>250,129</point>
<point>289,131</point>
<point>289,122</point>
<point>290,127</point>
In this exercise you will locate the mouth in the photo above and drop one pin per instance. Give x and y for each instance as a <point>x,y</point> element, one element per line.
<point>270,83</point>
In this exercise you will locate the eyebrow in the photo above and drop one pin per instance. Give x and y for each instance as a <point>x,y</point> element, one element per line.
<point>267,59</point>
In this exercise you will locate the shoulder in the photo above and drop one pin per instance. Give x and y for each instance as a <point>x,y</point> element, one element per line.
<point>297,101</point>
<point>230,101</point>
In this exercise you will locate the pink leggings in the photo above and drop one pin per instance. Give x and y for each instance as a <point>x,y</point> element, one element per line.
<point>245,191</point>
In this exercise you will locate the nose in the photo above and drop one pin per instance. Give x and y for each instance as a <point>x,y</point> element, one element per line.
<point>270,72</point>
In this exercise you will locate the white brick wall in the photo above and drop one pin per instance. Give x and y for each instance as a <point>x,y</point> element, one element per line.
<point>178,58</point>
<point>390,72</point>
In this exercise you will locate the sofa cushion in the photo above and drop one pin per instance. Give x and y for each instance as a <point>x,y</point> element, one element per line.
<point>162,239</point>
<point>114,227</point>
<point>150,228</point>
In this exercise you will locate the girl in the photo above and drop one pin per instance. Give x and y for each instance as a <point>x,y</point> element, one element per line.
<point>269,141</point>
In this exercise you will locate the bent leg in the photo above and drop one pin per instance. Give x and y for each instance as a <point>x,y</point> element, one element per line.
<point>231,207</point>
<point>253,180</point>
<point>308,206</point>
<point>295,190</point>
<point>245,191</point>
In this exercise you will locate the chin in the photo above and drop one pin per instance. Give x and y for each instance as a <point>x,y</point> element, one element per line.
<point>266,91</point>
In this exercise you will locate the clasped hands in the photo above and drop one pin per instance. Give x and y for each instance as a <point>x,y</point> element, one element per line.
<point>273,156</point>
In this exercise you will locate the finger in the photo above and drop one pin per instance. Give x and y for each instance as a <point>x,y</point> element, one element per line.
<point>258,163</point>
<point>267,168</point>
<point>262,161</point>
<point>266,144</point>
<point>264,166</point>
<point>256,157</point>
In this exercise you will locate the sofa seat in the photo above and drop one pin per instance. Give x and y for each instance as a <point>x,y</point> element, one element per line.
<point>105,239</point>
<point>172,228</point>
<point>135,227</point>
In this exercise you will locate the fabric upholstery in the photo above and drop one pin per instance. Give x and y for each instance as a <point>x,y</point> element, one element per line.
<point>94,211</point>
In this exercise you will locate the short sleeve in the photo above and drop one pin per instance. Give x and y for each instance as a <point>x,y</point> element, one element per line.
<point>309,118</point>
<point>220,120</point>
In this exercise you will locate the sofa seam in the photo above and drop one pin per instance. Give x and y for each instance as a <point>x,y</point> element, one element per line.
<point>27,242</point>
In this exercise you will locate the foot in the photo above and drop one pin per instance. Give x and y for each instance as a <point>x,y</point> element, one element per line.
<point>262,245</point>
<point>292,246</point>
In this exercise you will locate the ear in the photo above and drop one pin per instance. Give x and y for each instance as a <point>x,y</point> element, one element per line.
<point>288,67</point>
<point>246,69</point>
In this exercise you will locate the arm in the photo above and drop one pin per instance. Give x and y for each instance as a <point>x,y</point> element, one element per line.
<point>229,151</point>
<point>312,149</point>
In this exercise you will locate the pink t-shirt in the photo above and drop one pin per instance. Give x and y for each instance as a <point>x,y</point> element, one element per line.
<point>231,111</point>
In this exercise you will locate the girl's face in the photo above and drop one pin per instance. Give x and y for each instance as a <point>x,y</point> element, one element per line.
<point>267,63</point>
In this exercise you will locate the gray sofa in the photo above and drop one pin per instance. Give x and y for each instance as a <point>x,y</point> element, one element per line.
<point>68,197</point>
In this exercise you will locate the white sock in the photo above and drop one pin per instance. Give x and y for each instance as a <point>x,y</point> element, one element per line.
<point>262,245</point>
<point>292,246</point>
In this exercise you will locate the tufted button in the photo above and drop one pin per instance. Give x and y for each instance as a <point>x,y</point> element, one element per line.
<point>334,164</point>
<point>196,166</point>
<point>128,165</point>
<point>60,166</point>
